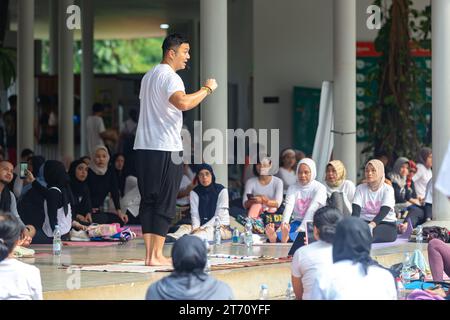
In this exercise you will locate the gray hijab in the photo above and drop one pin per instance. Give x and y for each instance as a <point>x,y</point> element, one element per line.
<point>395,175</point>
<point>189,281</point>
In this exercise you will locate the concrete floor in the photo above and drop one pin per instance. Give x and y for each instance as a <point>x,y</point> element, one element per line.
<point>58,283</point>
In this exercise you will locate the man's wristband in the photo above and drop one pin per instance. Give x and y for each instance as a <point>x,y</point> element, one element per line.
<point>208,89</point>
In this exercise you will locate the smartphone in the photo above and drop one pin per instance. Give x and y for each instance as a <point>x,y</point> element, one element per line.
<point>23,169</point>
<point>310,232</point>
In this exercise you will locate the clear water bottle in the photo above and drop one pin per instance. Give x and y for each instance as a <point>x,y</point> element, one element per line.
<point>235,237</point>
<point>419,235</point>
<point>401,292</point>
<point>106,204</point>
<point>57,244</point>
<point>405,274</point>
<point>290,294</point>
<point>264,292</point>
<point>217,235</point>
<point>208,260</point>
<point>248,238</point>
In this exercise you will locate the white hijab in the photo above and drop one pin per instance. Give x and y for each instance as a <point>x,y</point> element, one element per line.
<point>99,171</point>
<point>312,166</point>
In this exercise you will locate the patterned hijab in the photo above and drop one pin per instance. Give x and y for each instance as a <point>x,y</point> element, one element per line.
<point>379,174</point>
<point>340,172</point>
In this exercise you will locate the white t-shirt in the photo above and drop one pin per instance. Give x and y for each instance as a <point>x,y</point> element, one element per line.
<point>304,202</point>
<point>221,210</point>
<point>160,122</point>
<point>185,182</point>
<point>443,180</point>
<point>348,189</point>
<point>346,281</point>
<point>131,198</point>
<point>94,126</point>
<point>307,262</point>
<point>429,192</point>
<point>421,178</point>
<point>19,281</point>
<point>371,202</point>
<point>273,190</point>
<point>288,177</point>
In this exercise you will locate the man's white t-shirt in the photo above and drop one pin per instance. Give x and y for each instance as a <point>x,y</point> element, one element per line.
<point>371,202</point>
<point>160,122</point>
<point>308,261</point>
<point>19,281</point>
<point>345,280</point>
<point>94,126</point>
<point>421,178</point>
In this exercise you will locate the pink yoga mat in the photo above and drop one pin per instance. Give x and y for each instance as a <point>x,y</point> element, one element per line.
<point>90,243</point>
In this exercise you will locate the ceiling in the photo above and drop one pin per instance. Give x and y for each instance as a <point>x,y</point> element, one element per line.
<point>119,19</point>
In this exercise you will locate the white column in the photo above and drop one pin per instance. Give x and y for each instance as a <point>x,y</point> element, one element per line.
<point>65,84</point>
<point>87,71</point>
<point>53,38</point>
<point>440,11</point>
<point>25,75</point>
<point>344,90</point>
<point>214,64</point>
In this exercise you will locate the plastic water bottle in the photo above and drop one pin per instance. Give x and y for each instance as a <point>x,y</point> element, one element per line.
<point>405,274</point>
<point>217,235</point>
<point>236,235</point>
<point>106,204</point>
<point>57,244</point>
<point>290,295</point>
<point>248,238</point>
<point>419,235</point>
<point>208,260</point>
<point>401,292</point>
<point>263,292</point>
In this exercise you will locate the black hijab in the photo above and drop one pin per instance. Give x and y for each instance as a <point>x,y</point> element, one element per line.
<point>37,162</point>
<point>78,187</point>
<point>352,242</point>
<point>120,174</point>
<point>207,195</point>
<point>55,175</point>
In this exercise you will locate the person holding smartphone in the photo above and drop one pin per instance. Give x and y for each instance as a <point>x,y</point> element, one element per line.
<point>308,260</point>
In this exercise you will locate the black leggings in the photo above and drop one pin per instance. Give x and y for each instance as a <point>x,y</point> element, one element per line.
<point>416,215</point>
<point>385,232</point>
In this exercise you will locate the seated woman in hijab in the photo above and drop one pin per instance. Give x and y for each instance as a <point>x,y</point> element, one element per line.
<point>101,182</point>
<point>303,199</point>
<point>374,201</point>
<point>208,200</point>
<point>78,173</point>
<point>340,192</point>
<point>287,169</point>
<point>189,281</point>
<point>56,201</point>
<point>405,195</point>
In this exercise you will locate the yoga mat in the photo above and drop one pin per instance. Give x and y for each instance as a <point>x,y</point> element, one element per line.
<point>90,243</point>
<point>397,242</point>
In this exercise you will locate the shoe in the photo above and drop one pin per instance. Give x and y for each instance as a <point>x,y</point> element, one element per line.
<point>79,235</point>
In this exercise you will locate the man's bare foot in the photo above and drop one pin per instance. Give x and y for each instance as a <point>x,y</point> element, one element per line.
<point>285,228</point>
<point>160,261</point>
<point>270,233</point>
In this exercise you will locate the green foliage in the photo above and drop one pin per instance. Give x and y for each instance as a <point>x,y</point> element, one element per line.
<point>7,66</point>
<point>400,107</point>
<point>116,56</point>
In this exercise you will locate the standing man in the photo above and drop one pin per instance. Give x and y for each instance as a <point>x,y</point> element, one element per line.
<point>97,134</point>
<point>158,135</point>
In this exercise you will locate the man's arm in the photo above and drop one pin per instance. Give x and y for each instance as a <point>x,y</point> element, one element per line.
<point>185,102</point>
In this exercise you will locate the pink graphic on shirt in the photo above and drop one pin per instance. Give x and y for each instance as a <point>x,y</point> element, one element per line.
<point>373,208</point>
<point>302,205</point>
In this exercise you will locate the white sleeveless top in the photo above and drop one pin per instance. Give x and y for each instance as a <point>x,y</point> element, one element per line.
<point>64,221</point>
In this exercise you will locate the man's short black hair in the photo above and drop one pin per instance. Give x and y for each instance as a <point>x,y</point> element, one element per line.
<point>97,107</point>
<point>173,41</point>
<point>26,153</point>
<point>12,100</point>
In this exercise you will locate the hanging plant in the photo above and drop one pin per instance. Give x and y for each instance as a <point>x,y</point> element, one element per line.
<point>397,111</point>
